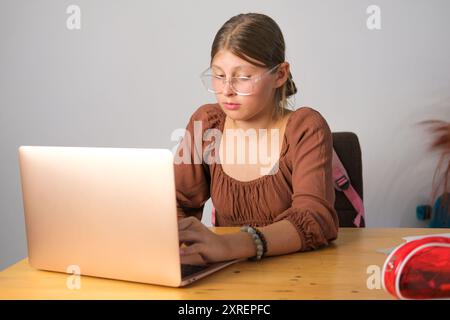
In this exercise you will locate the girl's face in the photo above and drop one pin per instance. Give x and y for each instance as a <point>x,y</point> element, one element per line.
<point>261,101</point>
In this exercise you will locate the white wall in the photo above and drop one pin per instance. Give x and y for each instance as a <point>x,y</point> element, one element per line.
<point>129,77</point>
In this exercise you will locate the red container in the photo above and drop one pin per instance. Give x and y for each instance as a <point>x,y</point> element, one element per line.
<point>419,269</point>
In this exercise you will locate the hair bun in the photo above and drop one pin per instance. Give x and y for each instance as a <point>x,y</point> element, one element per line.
<point>291,88</point>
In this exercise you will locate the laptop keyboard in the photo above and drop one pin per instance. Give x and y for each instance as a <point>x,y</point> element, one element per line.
<point>189,269</point>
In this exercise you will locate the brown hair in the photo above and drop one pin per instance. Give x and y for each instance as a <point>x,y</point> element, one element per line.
<point>256,36</point>
<point>441,142</point>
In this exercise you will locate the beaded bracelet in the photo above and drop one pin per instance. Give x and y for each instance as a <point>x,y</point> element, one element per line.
<point>259,239</point>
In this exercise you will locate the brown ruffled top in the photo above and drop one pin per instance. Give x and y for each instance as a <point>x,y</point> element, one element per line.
<point>300,191</point>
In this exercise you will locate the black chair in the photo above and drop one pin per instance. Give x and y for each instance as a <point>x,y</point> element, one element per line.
<point>347,147</point>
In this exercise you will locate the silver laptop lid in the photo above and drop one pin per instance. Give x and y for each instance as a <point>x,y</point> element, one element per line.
<point>109,211</point>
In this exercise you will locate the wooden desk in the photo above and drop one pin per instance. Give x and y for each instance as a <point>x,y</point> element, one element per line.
<point>336,272</point>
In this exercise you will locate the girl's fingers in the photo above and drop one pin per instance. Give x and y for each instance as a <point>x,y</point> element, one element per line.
<point>190,250</point>
<point>188,236</point>
<point>187,223</point>
<point>194,259</point>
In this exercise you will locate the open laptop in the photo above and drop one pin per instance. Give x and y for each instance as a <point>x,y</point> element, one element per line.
<point>107,212</point>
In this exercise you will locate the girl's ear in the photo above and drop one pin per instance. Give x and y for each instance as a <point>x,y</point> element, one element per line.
<point>282,74</point>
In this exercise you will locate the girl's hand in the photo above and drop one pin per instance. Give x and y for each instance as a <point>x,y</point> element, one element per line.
<point>202,245</point>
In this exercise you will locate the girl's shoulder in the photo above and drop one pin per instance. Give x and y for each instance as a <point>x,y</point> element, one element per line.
<point>211,115</point>
<point>305,119</point>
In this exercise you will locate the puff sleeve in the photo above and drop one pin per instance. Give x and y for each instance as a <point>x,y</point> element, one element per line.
<point>312,210</point>
<point>192,177</point>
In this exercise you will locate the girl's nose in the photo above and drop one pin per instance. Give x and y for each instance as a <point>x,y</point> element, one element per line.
<point>227,89</point>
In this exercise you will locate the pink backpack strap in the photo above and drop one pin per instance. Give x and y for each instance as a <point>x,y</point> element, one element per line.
<point>342,183</point>
<point>213,216</point>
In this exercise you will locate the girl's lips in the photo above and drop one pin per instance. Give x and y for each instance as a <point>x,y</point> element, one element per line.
<point>232,106</point>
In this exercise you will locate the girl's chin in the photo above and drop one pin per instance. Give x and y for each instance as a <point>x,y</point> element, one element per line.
<point>239,115</point>
<point>236,114</point>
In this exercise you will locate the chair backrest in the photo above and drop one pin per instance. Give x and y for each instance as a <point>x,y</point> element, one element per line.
<point>347,147</point>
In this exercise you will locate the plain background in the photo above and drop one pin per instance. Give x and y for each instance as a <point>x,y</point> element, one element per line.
<point>130,77</point>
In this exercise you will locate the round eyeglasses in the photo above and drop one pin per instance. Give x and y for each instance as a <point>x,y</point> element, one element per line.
<point>242,86</point>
